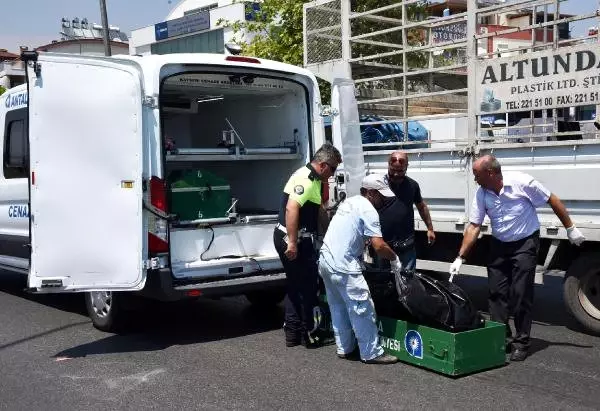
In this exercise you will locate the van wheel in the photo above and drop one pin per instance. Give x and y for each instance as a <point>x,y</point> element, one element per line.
<point>266,298</point>
<point>105,309</point>
<point>582,291</point>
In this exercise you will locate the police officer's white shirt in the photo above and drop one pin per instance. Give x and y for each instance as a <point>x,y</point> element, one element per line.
<point>512,213</point>
<point>355,220</point>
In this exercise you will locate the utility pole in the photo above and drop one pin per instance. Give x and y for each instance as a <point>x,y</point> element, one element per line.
<point>105,27</point>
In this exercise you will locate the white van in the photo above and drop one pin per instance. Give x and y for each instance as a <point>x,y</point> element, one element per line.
<point>89,143</point>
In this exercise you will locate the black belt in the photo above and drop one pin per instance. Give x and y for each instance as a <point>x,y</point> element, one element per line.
<point>403,244</point>
<point>519,241</point>
<point>302,233</point>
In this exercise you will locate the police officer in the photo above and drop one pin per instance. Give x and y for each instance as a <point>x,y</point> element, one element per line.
<point>299,218</point>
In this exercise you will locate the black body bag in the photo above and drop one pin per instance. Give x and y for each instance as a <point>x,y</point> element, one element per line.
<point>421,299</point>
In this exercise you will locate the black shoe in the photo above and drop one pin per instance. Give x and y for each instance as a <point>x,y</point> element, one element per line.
<point>353,355</point>
<point>317,339</point>
<point>382,359</point>
<point>311,340</point>
<point>293,337</point>
<point>519,354</point>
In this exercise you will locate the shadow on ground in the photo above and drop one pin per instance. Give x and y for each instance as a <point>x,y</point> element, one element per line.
<point>154,325</point>
<point>538,345</point>
<point>159,326</point>
<point>15,284</point>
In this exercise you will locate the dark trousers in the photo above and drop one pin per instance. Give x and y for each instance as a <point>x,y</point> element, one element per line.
<point>511,275</point>
<point>302,279</point>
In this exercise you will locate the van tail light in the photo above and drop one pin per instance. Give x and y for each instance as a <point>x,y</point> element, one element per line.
<point>158,241</point>
<point>158,194</point>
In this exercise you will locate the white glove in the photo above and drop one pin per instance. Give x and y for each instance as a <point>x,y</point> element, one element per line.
<point>396,265</point>
<point>455,267</point>
<point>575,236</point>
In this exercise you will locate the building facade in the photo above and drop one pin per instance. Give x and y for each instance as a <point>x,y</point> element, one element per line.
<point>498,44</point>
<point>193,26</point>
<point>76,37</point>
<point>12,70</point>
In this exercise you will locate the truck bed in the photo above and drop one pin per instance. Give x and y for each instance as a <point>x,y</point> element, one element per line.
<point>567,168</point>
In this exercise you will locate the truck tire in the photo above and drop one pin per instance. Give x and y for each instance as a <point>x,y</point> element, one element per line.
<point>266,298</point>
<point>105,309</point>
<point>581,291</point>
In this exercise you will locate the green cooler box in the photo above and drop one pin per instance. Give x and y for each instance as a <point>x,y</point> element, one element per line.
<point>198,194</point>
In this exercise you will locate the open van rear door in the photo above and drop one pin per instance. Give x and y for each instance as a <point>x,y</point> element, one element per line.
<point>345,130</point>
<point>86,146</point>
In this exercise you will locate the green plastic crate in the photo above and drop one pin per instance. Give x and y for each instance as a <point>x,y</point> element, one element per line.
<point>452,354</point>
<point>198,194</point>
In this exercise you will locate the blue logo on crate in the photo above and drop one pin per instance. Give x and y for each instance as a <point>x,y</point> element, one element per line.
<point>414,344</point>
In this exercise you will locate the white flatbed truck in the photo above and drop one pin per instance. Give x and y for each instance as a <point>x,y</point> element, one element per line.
<point>518,103</point>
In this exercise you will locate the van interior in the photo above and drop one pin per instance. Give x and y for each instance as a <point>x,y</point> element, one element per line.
<point>247,131</point>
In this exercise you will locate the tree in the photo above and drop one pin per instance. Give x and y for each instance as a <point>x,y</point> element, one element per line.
<point>2,90</point>
<point>277,32</point>
<point>277,25</point>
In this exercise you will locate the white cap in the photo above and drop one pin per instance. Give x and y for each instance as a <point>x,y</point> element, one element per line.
<point>377,182</point>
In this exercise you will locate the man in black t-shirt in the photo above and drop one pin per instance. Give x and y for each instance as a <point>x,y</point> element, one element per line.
<point>397,214</point>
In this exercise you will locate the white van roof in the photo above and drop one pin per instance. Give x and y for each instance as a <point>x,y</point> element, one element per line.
<point>212,59</point>
<point>152,64</point>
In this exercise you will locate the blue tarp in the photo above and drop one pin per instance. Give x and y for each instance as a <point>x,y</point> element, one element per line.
<point>390,132</point>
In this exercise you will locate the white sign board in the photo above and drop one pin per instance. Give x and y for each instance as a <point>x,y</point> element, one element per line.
<point>566,77</point>
<point>450,32</point>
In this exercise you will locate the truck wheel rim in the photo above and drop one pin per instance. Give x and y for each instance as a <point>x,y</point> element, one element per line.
<point>589,294</point>
<point>101,302</point>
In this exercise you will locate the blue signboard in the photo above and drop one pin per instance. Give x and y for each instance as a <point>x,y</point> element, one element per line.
<point>252,9</point>
<point>183,25</point>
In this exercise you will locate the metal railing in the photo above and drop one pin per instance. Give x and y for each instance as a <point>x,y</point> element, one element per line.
<point>409,65</point>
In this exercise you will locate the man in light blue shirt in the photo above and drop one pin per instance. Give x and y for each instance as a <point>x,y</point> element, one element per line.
<point>341,266</point>
<point>510,201</point>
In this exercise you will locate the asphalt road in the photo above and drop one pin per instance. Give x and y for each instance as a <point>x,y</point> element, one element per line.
<point>225,355</point>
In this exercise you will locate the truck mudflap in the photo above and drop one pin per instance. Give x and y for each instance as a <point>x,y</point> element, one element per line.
<point>161,285</point>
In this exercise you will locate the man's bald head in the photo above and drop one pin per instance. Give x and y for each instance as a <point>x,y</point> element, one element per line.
<point>488,163</point>
<point>488,172</point>
<point>397,165</point>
